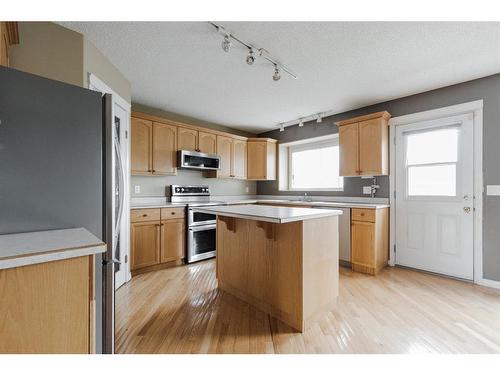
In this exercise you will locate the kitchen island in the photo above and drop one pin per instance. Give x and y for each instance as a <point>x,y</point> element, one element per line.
<point>282,260</point>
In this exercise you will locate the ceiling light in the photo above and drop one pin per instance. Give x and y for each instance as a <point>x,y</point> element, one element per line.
<point>250,57</point>
<point>282,128</point>
<point>301,123</point>
<point>276,75</point>
<point>319,119</point>
<point>226,43</point>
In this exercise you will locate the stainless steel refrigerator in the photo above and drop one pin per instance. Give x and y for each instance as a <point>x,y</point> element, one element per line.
<point>60,167</point>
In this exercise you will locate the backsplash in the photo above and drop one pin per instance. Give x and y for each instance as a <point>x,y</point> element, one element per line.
<point>154,186</point>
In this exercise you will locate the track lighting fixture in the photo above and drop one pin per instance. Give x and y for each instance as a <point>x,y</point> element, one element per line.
<point>276,75</point>
<point>226,43</point>
<point>250,57</point>
<point>319,120</point>
<point>301,123</point>
<point>282,128</point>
<point>253,52</point>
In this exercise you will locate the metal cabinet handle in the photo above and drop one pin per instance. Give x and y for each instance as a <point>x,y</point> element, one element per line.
<point>144,215</point>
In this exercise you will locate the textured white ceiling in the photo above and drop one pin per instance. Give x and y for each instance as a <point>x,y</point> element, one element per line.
<point>180,66</point>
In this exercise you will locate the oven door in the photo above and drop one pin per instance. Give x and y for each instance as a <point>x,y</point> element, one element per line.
<point>199,218</point>
<point>201,242</point>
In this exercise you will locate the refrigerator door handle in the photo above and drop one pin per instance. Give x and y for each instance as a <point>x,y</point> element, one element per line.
<point>112,261</point>
<point>120,187</point>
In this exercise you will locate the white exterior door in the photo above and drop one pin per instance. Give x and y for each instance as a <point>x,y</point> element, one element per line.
<point>434,196</point>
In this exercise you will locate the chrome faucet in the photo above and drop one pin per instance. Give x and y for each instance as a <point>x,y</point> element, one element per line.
<point>305,198</point>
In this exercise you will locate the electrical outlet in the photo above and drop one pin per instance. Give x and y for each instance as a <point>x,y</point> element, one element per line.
<point>137,189</point>
<point>367,190</point>
<point>492,189</point>
<point>247,189</point>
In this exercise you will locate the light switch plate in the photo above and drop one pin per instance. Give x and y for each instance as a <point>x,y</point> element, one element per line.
<point>367,190</point>
<point>492,189</point>
<point>137,189</point>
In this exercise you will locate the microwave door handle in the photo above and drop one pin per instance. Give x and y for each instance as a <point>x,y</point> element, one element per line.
<point>203,227</point>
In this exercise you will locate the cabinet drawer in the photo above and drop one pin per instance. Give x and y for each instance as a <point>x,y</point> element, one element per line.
<point>172,213</point>
<point>363,214</point>
<point>144,214</point>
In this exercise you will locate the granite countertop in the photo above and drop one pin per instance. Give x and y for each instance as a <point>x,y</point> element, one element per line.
<point>23,249</point>
<point>271,214</point>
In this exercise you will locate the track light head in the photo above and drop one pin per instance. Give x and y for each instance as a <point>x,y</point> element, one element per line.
<point>276,75</point>
<point>301,123</point>
<point>282,128</point>
<point>226,43</point>
<point>250,57</point>
<point>319,120</point>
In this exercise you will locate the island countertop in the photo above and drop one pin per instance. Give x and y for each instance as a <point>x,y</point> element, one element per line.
<point>23,249</point>
<point>271,214</point>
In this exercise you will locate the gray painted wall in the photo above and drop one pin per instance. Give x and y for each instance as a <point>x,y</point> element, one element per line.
<point>488,89</point>
<point>154,186</point>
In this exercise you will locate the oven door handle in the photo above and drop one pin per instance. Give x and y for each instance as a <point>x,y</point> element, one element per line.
<point>199,228</point>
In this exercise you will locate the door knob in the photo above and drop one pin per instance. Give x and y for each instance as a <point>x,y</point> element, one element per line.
<point>467,210</point>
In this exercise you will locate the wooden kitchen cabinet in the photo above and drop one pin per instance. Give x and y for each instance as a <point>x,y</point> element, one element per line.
<point>8,36</point>
<point>261,159</point>
<point>164,149</point>
<point>207,142</point>
<point>364,145</point>
<point>157,238</point>
<point>239,159</point>
<point>369,239</point>
<point>48,308</point>
<point>145,244</point>
<point>141,146</point>
<point>187,139</point>
<point>172,240</point>
<point>233,158</point>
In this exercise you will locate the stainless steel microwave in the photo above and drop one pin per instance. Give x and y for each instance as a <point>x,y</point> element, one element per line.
<point>197,160</point>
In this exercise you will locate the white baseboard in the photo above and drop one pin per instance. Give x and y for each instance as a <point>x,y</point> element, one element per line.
<point>489,283</point>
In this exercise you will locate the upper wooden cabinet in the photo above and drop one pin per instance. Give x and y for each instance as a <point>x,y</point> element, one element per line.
<point>364,145</point>
<point>8,36</point>
<point>261,159</point>
<point>187,139</point>
<point>233,158</point>
<point>154,147</point>
<point>164,149</point>
<point>207,142</point>
<point>141,146</point>
<point>239,159</point>
<point>224,150</point>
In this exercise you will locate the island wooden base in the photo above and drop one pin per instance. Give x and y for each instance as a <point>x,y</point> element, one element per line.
<point>287,270</point>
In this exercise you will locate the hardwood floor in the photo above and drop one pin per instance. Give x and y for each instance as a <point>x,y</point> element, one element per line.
<point>180,310</point>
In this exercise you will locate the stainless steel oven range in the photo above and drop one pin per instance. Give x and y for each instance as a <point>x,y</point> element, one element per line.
<point>201,227</point>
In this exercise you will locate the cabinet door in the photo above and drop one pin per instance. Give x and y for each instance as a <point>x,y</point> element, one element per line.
<point>362,243</point>
<point>207,143</point>
<point>257,161</point>
<point>348,148</point>
<point>187,139</point>
<point>164,149</point>
<point>239,159</point>
<point>370,146</point>
<point>224,150</point>
<point>4,45</point>
<point>145,244</point>
<point>141,144</point>
<point>172,240</point>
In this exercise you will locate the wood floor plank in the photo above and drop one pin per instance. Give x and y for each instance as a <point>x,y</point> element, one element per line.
<point>180,310</point>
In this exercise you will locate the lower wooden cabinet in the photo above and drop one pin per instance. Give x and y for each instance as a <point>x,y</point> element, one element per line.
<point>48,307</point>
<point>369,239</point>
<point>157,238</point>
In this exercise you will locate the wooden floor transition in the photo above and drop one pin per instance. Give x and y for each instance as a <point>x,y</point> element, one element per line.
<point>180,310</point>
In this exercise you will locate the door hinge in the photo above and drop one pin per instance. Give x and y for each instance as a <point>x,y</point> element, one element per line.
<point>394,194</point>
<point>126,134</point>
<point>394,249</point>
<point>126,258</point>
<point>394,141</point>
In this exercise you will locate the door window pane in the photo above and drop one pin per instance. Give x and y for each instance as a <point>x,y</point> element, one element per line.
<point>316,168</point>
<point>434,146</point>
<point>434,180</point>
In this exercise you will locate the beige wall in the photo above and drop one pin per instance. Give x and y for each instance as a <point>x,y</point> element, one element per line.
<point>49,50</point>
<point>96,63</point>
<point>189,120</point>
